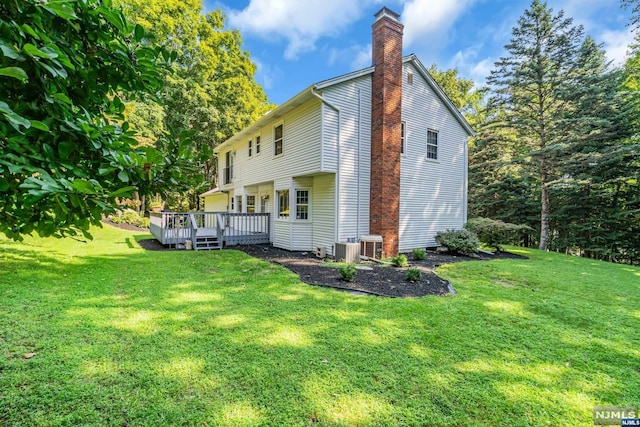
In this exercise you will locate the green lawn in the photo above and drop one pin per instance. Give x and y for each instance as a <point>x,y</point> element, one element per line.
<point>122,336</point>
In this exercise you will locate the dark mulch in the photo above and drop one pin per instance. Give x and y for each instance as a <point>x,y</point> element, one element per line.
<point>381,280</point>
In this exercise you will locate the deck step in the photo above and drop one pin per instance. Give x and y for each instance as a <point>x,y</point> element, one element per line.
<point>207,243</point>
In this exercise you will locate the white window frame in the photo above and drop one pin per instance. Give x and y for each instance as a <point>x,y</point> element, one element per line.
<point>409,77</point>
<point>258,140</point>
<point>279,197</point>
<point>307,204</point>
<point>249,206</point>
<point>238,204</point>
<point>429,144</point>
<point>250,146</point>
<point>280,140</point>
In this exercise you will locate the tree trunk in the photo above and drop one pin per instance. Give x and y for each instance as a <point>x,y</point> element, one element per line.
<point>544,213</point>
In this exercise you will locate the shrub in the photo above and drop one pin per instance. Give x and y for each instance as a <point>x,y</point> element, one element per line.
<point>461,241</point>
<point>400,261</point>
<point>414,275</point>
<point>130,217</point>
<point>348,272</point>
<point>495,233</point>
<point>419,254</point>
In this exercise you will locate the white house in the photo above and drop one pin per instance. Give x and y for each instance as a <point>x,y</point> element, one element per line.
<point>377,151</point>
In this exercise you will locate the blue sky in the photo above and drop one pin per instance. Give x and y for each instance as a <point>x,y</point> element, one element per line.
<point>299,42</point>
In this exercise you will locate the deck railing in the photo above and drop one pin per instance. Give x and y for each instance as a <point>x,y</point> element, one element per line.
<point>230,228</point>
<point>170,228</point>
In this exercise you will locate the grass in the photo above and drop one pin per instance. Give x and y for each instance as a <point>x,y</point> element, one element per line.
<point>122,336</point>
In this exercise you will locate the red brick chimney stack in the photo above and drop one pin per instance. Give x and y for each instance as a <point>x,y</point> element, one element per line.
<point>386,121</point>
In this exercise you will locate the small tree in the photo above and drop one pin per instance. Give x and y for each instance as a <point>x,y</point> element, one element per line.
<point>495,233</point>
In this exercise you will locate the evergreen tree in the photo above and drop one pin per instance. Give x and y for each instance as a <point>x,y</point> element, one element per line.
<point>531,86</point>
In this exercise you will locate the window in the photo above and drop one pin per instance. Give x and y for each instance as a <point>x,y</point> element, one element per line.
<point>283,204</point>
<point>403,130</point>
<point>277,140</point>
<point>228,170</point>
<point>258,144</point>
<point>302,204</point>
<point>250,148</point>
<point>251,204</point>
<point>233,205</point>
<point>409,77</point>
<point>432,144</point>
<point>239,203</point>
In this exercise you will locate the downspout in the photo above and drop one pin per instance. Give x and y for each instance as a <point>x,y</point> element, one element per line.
<point>359,153</point>
<point>337,190</point>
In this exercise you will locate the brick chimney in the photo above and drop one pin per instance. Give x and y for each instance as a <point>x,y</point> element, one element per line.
<point>386,121</point>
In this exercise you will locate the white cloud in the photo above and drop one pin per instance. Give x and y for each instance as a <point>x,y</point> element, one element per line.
<point>300,23</point>
<point>356,56</point>
<point>616,44</point>
<point>427,21</point>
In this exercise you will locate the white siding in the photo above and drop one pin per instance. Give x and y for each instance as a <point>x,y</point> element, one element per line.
<point>323,211</point>
<point>300,153</point>
<point>353,155</point>
<point>433,192</point>
<point>330,139</point>
<point>215,203</point>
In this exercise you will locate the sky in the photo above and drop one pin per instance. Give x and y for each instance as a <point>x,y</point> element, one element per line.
<point>296,43</point>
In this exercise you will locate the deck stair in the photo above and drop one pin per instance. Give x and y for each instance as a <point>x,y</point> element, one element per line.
<point>207,243</point>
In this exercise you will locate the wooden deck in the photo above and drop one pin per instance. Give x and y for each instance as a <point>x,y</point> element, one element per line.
<point>211,230</point>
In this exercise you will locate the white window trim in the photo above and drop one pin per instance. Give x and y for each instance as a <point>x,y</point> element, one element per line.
<point>246,203</point>
<point>277,205</point>
<point>250,148</point>
<point>426,154</point>
<point>295,197</point>
<point>257,138</point>
<point>273,132</point>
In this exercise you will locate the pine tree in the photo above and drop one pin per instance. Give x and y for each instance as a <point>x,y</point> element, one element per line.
<point>531,86</point>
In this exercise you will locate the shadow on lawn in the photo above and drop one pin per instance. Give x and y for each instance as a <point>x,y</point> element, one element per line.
<point>218,337</point>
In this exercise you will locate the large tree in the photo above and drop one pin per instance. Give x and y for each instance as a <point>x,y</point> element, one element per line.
<point>66,154</point>
<point>531,86</point>
<point>210,91</point>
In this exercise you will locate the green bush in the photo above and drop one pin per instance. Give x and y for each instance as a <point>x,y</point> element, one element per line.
<point>419,254</point>
<point>130,217</point>
<point>495,233</point>
<point>400,261</point>
<point>348,272</point>
<point>414,275</point>
<point>460,241</point>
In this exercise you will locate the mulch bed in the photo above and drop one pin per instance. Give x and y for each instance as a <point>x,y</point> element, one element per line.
<point>380,280</point>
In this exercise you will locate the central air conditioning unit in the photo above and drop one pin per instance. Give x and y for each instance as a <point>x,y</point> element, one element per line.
<point>320,251</point>
<point>347,252</point>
